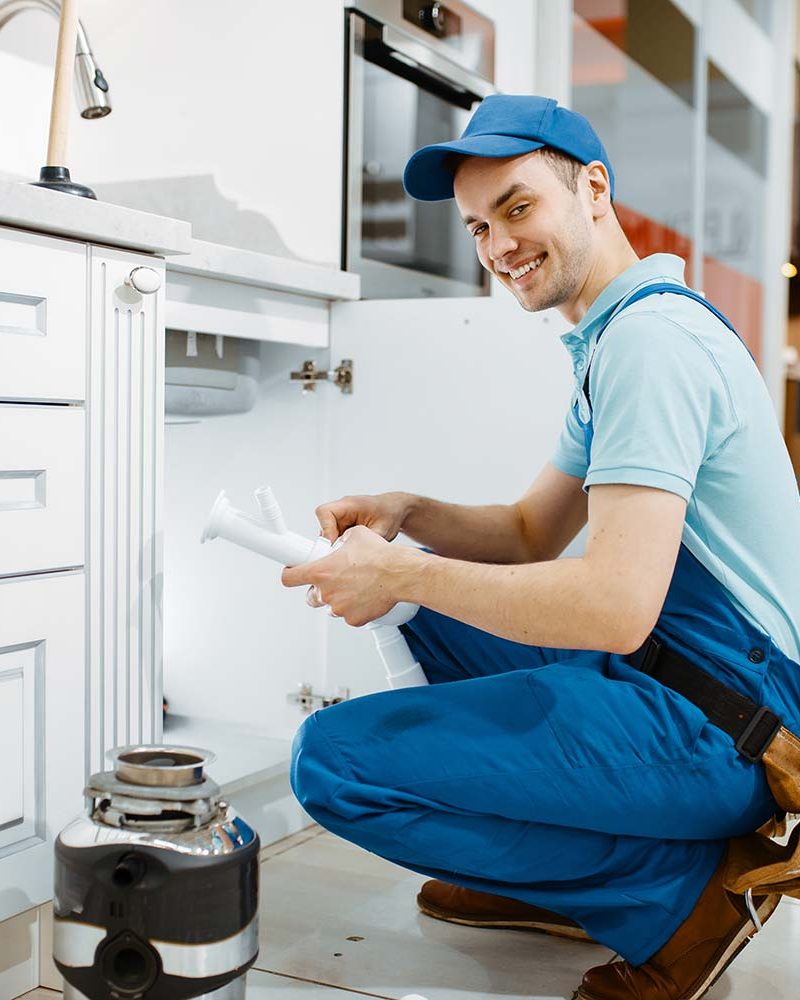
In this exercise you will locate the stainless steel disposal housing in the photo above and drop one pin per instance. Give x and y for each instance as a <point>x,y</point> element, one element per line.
<point>156,889</point>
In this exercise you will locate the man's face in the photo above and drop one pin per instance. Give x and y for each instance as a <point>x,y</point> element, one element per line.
<point>529,229</point>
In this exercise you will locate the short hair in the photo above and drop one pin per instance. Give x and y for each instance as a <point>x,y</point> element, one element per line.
<point>566,168</point>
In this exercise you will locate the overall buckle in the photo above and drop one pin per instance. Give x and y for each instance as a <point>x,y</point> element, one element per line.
<point>646,656</point>
<point>762,718</point>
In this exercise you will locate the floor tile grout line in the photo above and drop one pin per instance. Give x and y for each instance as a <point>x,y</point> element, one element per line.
<point>330,986</point>
<point>268,852</point>
<point>263,859</point>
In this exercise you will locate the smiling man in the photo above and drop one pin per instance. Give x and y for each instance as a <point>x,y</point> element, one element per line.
<point>577,778</point>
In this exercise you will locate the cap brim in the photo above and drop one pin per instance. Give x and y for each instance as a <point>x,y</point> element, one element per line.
<point>427,178</point>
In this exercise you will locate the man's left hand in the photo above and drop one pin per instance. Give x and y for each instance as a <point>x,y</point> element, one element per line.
<point>355,581</point>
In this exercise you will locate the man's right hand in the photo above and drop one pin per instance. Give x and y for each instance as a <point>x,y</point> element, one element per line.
<point>383,513</point>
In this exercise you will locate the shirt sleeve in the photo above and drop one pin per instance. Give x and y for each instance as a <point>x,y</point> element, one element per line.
<point>661,406</point>
<point>570,453</point>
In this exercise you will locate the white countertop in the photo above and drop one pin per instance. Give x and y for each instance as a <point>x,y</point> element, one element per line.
<point>25,206</point>
<point>285,274</point>
<point>28,207</point>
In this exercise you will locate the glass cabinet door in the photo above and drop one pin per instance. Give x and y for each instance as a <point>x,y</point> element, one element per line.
<point>633,78</point>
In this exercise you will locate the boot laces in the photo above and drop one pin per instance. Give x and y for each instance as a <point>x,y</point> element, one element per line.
<point>748,900</point>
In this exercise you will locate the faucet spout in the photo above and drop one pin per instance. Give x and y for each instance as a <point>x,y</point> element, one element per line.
<point>91,87</point>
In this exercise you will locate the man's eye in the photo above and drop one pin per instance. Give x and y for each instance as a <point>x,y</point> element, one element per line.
<point>517,209</point>
<point>479,229</point>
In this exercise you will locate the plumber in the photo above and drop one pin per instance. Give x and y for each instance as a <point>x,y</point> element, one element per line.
<point>565,770</point>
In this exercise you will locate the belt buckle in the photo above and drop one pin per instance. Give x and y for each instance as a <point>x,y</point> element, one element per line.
<point>651,656</point>
<point>754,756</point>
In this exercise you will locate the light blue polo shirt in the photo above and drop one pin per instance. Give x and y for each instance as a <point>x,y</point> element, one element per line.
<point>679,404</point>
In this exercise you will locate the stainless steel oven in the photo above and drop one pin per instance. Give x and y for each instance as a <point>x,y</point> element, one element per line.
<point>414,72</point>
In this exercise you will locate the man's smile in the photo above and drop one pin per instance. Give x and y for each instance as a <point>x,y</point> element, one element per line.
<point>518,273</point>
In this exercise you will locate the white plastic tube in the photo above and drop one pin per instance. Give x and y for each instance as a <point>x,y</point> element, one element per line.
<point>269,537</point>
<point>402,670</point>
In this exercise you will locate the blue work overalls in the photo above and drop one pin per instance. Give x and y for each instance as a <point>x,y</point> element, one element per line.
<point>563,778</point>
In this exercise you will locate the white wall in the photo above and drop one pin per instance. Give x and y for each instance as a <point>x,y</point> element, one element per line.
<point>248,93</point>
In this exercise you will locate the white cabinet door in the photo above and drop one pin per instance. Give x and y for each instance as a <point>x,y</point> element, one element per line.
<point>125,413</point>
<point>457,399</point>
<point>42,739</point>
<point>42,317</point>
<point>42,484</point>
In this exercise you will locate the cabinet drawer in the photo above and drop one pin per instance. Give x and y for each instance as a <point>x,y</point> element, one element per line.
<point>43,284</point>
<point>42,488</point>
<point>42,741</point>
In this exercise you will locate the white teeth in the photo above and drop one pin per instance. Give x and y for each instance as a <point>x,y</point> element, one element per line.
<point>517,272</point>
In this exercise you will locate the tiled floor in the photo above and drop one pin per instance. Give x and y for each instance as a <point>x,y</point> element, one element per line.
<point>337,922</point>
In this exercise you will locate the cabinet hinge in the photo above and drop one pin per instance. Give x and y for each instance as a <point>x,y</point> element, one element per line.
<point>308,700</point>
<point>309,375</point>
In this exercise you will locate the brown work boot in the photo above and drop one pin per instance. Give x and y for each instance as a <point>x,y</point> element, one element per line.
<point>483,909</point>
<point>694,957</point>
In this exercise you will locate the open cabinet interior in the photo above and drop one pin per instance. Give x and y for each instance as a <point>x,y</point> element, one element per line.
<point>236,642</point>
<point>443,394</point>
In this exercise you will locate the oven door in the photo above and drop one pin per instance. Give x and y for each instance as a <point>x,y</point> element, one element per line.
<point>402,95</point>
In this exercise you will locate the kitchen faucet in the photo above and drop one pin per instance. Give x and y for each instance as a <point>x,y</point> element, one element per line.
<point>90,84</point>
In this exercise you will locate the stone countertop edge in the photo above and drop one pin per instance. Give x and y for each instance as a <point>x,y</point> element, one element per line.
<point>249,267</point>
<point>25,206</point>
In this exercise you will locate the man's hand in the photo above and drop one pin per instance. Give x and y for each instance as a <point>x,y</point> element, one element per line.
<point>358,582</point>
<point>383,513</point>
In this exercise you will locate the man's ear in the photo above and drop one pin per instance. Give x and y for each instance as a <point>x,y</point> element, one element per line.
<point>599,188</point>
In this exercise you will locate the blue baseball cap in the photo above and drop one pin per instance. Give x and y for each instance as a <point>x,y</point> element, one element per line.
<point>505,125</point>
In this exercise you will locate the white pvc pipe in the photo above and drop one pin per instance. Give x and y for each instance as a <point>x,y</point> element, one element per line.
<point>269,537</point>
<point>402,670</point>
<point>270,511</point>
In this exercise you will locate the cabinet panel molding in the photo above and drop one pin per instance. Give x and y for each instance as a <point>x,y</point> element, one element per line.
<point>22,741</point>
<point>125,411</point>
<point>42,677</point>
<point>42,317</point>
<point>42,488</point>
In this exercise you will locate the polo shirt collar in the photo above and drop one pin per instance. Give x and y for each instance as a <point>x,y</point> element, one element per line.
<point>580,341</point>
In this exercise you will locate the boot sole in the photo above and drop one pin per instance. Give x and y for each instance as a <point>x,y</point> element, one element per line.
<point>731,950</point>
<point>466,920</point>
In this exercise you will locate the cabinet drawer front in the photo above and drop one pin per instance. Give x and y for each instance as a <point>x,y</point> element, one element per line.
<point>42,695</point>
<point>42,317</point>
<point>42,488</point>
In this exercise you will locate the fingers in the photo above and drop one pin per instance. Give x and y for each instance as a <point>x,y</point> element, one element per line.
<point>344,513</point>
<point>314,598</point>
<point>329,527</point>
<point>296,576</point>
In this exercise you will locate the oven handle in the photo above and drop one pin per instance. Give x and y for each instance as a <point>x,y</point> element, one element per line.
<point>432,64</point>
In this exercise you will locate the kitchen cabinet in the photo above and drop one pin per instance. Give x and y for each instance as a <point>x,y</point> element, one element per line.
<point>81,426</point>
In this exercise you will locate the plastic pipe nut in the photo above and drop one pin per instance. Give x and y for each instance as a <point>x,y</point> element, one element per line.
<point>144,279</point>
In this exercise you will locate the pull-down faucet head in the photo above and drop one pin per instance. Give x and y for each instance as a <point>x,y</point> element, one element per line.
<point>91,87</point>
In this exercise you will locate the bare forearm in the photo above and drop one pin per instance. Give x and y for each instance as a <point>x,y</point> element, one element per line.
<point>561,603</point>
<point>486,534</point>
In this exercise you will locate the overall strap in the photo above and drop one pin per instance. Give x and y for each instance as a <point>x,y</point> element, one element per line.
<point>658,288</point>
